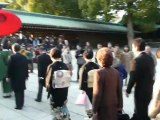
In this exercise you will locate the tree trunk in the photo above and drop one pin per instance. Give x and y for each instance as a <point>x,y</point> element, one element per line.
<point>130,34</point>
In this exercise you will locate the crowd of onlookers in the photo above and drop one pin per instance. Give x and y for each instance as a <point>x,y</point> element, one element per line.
<point>101,77</point>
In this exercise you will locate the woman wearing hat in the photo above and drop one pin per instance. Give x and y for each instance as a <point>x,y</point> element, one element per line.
<point>4,56</point>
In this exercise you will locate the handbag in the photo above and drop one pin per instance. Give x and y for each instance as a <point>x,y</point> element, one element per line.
<point>81,99</point>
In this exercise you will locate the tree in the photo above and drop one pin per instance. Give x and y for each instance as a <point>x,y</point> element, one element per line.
<point>55,7</point>
<point>144,14</point>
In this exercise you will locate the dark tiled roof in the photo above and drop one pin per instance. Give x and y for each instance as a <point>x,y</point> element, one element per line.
<point>60,22</point>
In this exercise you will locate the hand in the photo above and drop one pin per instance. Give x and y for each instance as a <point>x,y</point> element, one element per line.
<point>119,110</point>
<point>7,79</point>
<point>41,78</point>
<point>65,102</point>
<point>95,116</point>
<point>47,87</point>
<point>83,92</point>
<point>71,73</point>
<point>127,95</point>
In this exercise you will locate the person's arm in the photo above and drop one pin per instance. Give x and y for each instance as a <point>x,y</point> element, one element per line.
<point>119,94</point>
<point>83,78</point>
<point>26,68</point>
<point>9,71</point>
<point>39,66</point>
<point>77,54</point>
<point>97,92</point>
<point>132,79</point>
<point>48,77</point>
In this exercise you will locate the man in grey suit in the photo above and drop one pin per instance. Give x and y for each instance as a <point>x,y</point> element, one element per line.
<point>17,74</point>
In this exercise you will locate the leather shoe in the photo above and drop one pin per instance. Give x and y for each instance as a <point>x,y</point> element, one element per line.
<point>7,96</point>
<point>18,108</point>
<point>37,100</point>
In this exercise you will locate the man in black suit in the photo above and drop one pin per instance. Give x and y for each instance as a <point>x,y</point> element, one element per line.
<point>43,61</point>
<point>141,75</point>
<point>17,74</point>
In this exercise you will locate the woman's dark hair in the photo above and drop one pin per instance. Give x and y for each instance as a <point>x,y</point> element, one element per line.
<point>104,55</point>
<point>16,47</point>
<point>158,53</point>
<point>55,53</point>
<point>126,46</point>
<point>88,54</point>
<point>5,43</point>
<point>140,44</point>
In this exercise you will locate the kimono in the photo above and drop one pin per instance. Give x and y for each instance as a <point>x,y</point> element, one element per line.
<point>58,96</point>
<point>84,78</point>
<point>85,81</point>
<point>6,87</point>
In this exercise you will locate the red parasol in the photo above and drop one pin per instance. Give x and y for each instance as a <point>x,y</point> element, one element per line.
<point>9,23</point>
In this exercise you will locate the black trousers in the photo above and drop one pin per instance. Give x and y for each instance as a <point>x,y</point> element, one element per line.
<point>89,92</point>
<point>141,107</point>
<point>19,97</point>
<point>40,90</point>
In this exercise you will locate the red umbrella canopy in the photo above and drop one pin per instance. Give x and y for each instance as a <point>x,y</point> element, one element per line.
<point>9,23</point>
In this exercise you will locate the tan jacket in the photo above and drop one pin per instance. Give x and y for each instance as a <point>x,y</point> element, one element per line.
<point>107,93</point>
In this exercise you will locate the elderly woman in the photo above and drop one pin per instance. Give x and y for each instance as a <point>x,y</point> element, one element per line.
<point>154,108</point>
<point>107,93</point>
<point>57,84</point>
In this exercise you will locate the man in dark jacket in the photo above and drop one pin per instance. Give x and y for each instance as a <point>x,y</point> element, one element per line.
<point>17,74</point>
<point>141,75</point>
<point>43,62</point>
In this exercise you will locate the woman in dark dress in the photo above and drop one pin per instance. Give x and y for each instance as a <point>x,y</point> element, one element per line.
<point>86,76</point>
<point>88,66</point>
<point>58,90</point>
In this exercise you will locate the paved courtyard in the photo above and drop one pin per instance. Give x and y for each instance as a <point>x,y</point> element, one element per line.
<point>41,111</point>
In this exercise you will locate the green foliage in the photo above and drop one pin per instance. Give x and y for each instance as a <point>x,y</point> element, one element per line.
<point>92,8</point>
<point>145,13</point>
<point>55,7</point>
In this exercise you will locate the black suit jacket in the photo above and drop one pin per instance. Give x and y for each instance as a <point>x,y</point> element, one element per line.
<point>142,73</point>
<point>43,62</point>
<point>18,71</point>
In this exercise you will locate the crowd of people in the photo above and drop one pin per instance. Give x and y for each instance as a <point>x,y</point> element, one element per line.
<point>102,78</point>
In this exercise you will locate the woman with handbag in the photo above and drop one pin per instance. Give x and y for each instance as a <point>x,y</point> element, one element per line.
<point>107,92</point>
<point>86,76</point>
<point>154,107</point>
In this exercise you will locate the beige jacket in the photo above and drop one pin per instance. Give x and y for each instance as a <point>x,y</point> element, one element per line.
<point>154,107</point>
